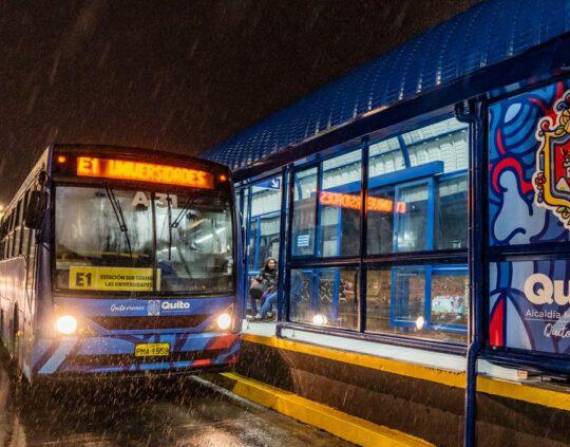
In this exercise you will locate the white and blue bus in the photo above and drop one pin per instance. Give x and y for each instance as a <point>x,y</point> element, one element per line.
<point>119,260</point>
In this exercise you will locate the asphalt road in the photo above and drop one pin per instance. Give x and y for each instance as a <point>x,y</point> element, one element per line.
<point>174,412</point>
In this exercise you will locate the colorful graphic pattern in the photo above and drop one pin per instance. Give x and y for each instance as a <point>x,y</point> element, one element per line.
<point>528,305</point>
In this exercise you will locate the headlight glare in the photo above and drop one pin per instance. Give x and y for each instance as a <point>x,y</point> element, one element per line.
<point>66,324</point>
<point>320,319</point>
<point>224,321</point>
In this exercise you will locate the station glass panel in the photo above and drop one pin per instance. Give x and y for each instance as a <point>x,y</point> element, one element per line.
<point>445,140</point>
<point>417,202</point>
<point>449,297</point>
<point>411,234</point>
<point>380,220</point>
<point>426,301</point>
<point>340,203</point>
<point>416,205</point>
<point>451,210</point>
<point>326,296</point>
<point>304,212</point>
<point>264,223</point>
<point>385,157</point>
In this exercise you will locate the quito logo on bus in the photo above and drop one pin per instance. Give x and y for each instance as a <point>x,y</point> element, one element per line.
<point>175,305</point>
<point>551,180</point>
<point>154,307</point>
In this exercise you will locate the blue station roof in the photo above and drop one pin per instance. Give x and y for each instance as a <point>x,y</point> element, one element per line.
<point>486,34</point>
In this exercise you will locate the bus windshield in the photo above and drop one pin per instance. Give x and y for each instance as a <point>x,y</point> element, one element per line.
<point>121,240</point>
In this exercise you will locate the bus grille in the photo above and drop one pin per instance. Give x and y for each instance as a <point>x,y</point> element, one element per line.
<point>150,322</point>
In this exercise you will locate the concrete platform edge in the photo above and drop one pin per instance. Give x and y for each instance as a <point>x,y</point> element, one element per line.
<point>344,426</point>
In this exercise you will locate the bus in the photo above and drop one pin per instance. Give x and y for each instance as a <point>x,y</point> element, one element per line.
<point>119,260</point>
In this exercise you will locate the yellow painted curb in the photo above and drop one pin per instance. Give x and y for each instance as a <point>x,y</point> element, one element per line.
<point>342,425</point>
<point>525,393</point>
<point>449,378</point>
<point>510,390</point>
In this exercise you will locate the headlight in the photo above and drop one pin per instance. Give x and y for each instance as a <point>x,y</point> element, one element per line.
<point>224,321</point>
<point>66,324</point>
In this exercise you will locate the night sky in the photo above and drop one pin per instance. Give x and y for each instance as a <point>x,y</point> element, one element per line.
<point>177,75</point>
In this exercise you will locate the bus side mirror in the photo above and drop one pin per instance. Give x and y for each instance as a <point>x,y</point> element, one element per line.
<point>34,212</point>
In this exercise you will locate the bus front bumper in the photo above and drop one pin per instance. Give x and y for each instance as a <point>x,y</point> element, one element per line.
<point>187,353</point>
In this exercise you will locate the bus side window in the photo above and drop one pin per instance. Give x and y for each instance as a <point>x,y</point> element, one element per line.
<point>10,235</point>
<point>13,235</point>
<point>31,263</point>
<point>25,245</point>
<point>15,231</point>
<point>8,253</point>
<point>18,229</point>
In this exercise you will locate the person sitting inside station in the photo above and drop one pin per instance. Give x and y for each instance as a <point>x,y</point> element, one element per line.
<point>264,288</point>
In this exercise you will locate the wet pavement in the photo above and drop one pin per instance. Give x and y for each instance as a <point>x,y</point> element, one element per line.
<point>167,412</point>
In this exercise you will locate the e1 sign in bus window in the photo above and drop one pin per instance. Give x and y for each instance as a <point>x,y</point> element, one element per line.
<point>143,172</point>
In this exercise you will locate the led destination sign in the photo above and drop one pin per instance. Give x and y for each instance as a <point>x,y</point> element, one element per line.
<point>143,172</point>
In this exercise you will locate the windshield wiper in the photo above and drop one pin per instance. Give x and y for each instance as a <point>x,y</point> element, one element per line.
<point>120,217</point>
<point>184,208</point>
<point>174,224</point>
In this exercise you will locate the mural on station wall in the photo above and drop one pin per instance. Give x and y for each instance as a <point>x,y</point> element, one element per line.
<point>529,203</point>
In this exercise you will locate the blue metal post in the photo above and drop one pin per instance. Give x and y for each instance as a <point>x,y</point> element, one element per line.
<point>471,112</point>
<point>281,289</point>
<point>405,151</point>
<point>363,233</point>
<point>245,258</point>
<point>257,265</point>
<point>318,218</point>
<point>427,304</point>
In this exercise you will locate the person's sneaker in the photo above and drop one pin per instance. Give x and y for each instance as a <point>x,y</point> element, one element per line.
<point>269,316</point>
<point>257,317</point>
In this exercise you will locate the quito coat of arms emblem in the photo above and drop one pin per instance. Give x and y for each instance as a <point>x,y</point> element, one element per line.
<point>552,177</point>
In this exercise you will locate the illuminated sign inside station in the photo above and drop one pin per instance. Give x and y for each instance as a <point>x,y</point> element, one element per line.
<point>353,201</point>
<point>143,172</point>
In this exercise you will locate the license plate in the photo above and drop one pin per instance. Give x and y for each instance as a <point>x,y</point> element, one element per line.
<point>152,350</point>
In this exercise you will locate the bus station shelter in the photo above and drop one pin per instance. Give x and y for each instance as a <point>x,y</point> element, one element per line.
<point>419,208</point>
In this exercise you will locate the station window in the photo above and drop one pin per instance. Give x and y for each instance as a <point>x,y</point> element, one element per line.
<point>264,223</point>
<point>428,301</point>
<point>304,212</point>
<point>340,204</point>
<point>416,209</point>
<point>421,208</point>
<point>325,296</point>
<point>451,210</point>
<point>399,218</point>
<point>260,206</point>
